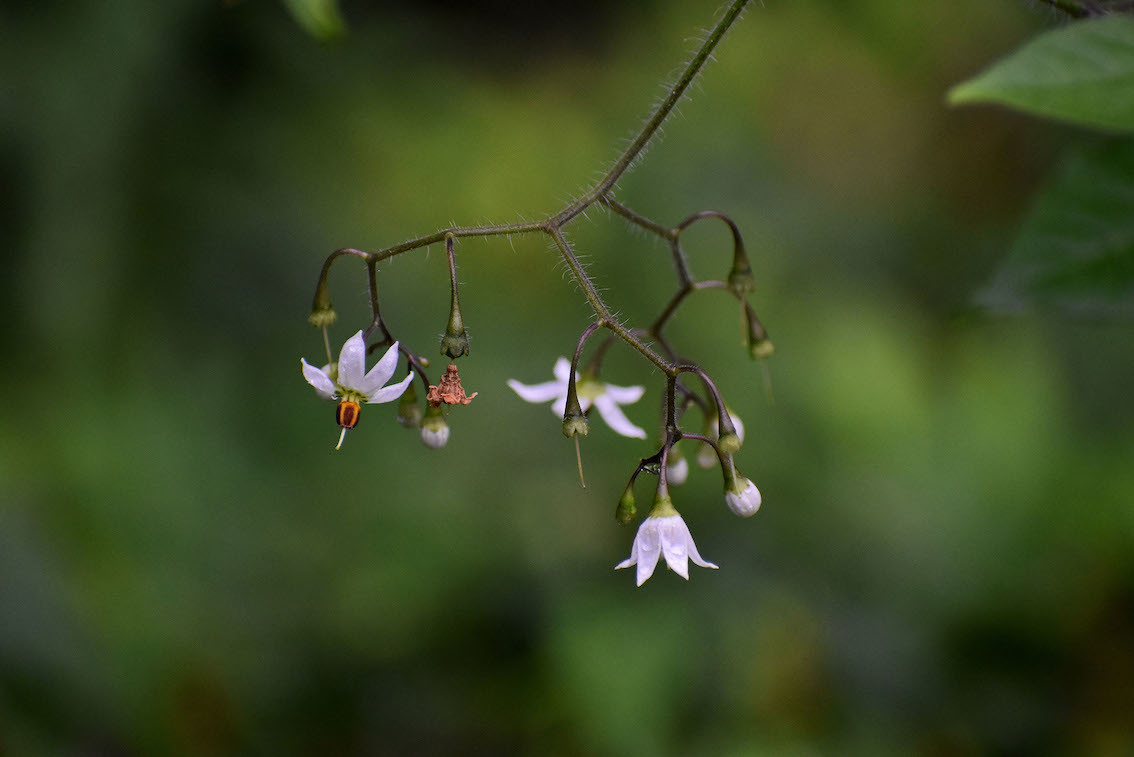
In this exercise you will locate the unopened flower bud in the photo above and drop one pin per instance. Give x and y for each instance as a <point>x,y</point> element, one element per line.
<point>409,412</point>
<point>759,345</point>
<point>627,506</point>
<point>322,314</point>
<point>740,277</point>
<point>741,495</point>
<point>434,429</point>
<point>729,440</point>
<point>574,421</point>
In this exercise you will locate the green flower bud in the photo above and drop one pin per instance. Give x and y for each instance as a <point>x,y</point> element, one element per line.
<point>627,507</point>
<point>409,412</point>
<point>574,421</point>
<point>759,345</point>
<point>322,314</point>
<point>434,429</point>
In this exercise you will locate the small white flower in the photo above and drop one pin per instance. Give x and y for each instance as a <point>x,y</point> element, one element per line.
<point>606,398</point>
<point>666,535</point>
<point>743,498</point>
<point>706,456</point>
<point>348,381</point>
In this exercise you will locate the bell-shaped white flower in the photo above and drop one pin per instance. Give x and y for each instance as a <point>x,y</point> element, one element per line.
<point>663,535</point>
<point>706,456</point>
<point>742,497</point>
<point>350,383</point>
<point>605,398</point>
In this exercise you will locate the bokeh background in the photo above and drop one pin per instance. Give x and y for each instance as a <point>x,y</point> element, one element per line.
<point>943,563</point>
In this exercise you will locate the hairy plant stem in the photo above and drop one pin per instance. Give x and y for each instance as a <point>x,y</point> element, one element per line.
<point>600,192</point>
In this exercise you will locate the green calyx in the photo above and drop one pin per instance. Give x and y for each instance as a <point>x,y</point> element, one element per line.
<point>455,345</point>
<point>322,317</point>
<point>575,425</point>
<point>663,507</point>
<point>434,419</point>
<point>763,348</point>
<point>729,442</point>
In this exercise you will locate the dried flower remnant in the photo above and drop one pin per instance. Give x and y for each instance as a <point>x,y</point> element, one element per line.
<point>449,390</point>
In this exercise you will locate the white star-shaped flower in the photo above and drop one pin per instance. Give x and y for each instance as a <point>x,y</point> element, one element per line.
<point>663,535</point>
<point>606,398</point>
<point>350,383</point>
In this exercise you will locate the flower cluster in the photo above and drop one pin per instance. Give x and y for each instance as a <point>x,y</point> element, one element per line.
<point>575,393</point>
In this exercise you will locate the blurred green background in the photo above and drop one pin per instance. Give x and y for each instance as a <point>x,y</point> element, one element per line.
<point>943,563</point>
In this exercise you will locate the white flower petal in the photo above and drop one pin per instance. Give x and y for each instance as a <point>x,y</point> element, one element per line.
<point>674,541</point>
<point>695,556</point>
<point>352,362</point>
<point>319,379</point>
<point>548,390</point>
<point>391,392</point>
<point>624,395</point>
<point>380,373</point>
<point>631,560</point>
<point>645,552</point>
<point>648,544</point>
<point>616,419</point>
<point>562,370</point>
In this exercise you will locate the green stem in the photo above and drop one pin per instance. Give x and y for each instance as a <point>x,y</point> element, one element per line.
<point>665,107</point>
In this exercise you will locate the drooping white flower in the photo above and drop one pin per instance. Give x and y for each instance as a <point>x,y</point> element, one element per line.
<point>663,535</point>
<point>706,457</point>
<point>606,398</point>
<point>742,497</point>
<point>350,383</point>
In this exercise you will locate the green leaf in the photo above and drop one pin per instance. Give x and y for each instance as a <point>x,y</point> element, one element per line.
<point>1076,249</point>
<point>1082,73</point>
<point>321,18</point>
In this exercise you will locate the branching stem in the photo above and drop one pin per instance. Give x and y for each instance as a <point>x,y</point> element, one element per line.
<point>599,193</point>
